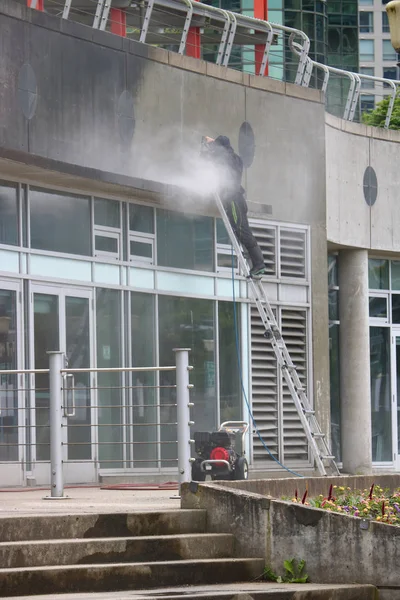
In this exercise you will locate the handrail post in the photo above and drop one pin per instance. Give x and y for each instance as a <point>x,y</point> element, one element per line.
<point>56,363</point>
<point>183,414</point>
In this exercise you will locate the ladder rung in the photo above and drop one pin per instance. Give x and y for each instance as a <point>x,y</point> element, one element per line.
<point>327,457</point>
<point>308,412</point>
<point>318,435</point>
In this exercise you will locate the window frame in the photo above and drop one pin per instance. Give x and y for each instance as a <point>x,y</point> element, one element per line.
<point>377,321</point>
<point>20,216</point>
<point>141,236</point>
<point>106,231</point>
<point>393,55</point>
<point>366,28</point>
<point>364,57</point>
<point>144,238</point>
<point>110,233</point>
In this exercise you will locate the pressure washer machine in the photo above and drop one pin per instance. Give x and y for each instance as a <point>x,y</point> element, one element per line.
<point>221,453</point>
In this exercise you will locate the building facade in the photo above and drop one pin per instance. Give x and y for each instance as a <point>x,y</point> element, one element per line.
<point>377,56</point>
<point>115,283</point>
<point>111,252</point>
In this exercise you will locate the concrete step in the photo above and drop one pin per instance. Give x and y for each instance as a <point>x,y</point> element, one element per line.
<point>50,527</point>
<point>128,576</point>
<point>115,549</point>
<point>233,591</point>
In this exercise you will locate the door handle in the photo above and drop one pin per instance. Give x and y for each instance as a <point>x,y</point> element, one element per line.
<point>68,377</point>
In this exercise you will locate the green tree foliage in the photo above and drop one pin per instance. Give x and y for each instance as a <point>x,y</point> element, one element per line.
<point>377,117</point>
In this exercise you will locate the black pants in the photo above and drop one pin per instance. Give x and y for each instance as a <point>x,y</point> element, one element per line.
<point>236,210</point>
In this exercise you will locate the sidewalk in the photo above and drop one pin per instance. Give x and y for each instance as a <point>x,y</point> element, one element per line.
<point>28,501</point>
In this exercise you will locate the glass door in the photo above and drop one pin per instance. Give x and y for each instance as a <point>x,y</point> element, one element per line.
<point>396,396</point>
<point>12,432</point>
<point>62,320</point>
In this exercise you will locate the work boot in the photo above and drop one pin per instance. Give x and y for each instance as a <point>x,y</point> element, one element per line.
<point>258,270</point>
<point>257,259</point>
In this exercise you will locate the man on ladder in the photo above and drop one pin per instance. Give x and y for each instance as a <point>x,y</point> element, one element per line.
<point>232,194</point>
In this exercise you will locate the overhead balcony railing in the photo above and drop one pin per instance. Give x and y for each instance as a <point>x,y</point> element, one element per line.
<point>231,40</point>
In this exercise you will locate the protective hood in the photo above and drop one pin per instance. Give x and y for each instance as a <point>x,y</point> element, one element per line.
<point>224,141</point>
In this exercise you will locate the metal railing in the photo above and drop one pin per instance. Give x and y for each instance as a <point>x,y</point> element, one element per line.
<point>54,430</point>
<point>232,40</point>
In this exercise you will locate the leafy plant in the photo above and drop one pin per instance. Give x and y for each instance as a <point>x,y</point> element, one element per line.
<point>377,117</point>
<point>294,572</point>
<point>375,504</point>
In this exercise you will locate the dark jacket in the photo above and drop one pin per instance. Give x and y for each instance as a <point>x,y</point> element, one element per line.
<point>230,166</point>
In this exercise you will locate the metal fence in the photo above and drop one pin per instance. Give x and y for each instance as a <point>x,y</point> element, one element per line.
<point>116,420</point>
<point>232,40</point>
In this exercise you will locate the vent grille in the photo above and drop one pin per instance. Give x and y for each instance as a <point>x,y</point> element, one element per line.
<point>273,408</point>
<point>266,238</point>
<point>294,331</point>
<point>264,379</point>
<point>292,253</point>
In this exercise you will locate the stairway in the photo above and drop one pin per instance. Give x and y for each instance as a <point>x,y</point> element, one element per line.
<point>57,554</point>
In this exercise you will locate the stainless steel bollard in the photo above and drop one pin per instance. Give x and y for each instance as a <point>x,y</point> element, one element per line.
<point>56,363</point>
<point>183,413</point>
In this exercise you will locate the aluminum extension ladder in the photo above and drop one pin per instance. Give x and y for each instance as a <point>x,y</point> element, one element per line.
<point>315,436</point>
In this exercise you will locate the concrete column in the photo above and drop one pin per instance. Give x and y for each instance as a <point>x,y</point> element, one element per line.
<point>355,393</point>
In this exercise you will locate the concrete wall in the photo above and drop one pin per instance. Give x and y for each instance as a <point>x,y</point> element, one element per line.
<point>350,149</point>
<point>279,488</point>
<point>96,100</point>
<point>105,102</point>
<point>336,548</point>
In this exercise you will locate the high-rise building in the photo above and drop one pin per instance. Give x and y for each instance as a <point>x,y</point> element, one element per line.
<point>342,49</point>
<point>377,56</point>
<point>332,28</point>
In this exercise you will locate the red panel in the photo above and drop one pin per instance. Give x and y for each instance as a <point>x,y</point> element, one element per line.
<point>38,4</point>
<point>193,42</point>
<point>118,21</point>
<point>260,12</point>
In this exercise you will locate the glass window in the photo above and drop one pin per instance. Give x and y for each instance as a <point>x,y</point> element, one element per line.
<point>141,218</point>
<point>46,338</point>
<point>8,383</point>
<point>349,8</point>
<point>106,213</point>
<point>395,273</point>
<point>332,270</point>
<point>77,337</point>
<point>389,73</point>
<point>222,234</point>
<point>380,394</point>
<point>144,397</point>
<point>187,323</point>
<point>184,241</point>
<point>103,243</point>
<point>366,20</point>
<point>367,103</point>
<point>229,380</point>
<point>333,299</point>
<point>334,369</point>
<point>141,249</point>
<point>388,52</point>
<point>366,83</point>
<point>60,222</point>
<point>385,22</point>
<point>224,260</point>
<point>8,214</point>
<point>367,50</point>
<point>378,307</point>
<point>398,390</point>
<point>396,310</point>
<point>378,274</point>
<point>110,412</point>
<point>366,2</point>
